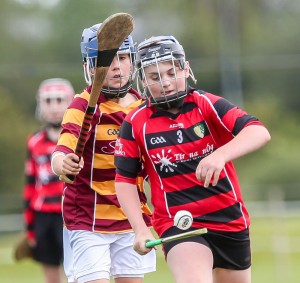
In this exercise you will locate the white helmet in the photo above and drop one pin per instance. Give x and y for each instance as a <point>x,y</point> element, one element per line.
<point>89,51</point>
<point>155,50</point>
<point>53,97</point>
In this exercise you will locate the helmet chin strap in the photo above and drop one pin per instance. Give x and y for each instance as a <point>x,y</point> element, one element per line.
<point>169,102</point>
<point>175,102</point>
<point>111,93</point>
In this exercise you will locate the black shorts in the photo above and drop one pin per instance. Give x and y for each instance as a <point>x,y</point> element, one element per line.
<point>48,229</point>
<point>231,250</point>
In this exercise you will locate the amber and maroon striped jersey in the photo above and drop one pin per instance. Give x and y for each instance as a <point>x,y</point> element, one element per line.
<point>171,146</point>
<point>43,190</point>
<point>91,202</point>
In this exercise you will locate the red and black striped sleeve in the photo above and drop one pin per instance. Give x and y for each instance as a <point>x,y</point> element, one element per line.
<point>127,154</point>
<point>230,115</point>
<point>28,194</point>
<point>224,119</point>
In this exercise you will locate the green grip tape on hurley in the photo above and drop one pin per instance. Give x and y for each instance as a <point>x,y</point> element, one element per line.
<point>151,244</point>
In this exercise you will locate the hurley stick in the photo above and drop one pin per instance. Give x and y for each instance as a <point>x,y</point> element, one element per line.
<point>151,244</point>
<point>111,34</point>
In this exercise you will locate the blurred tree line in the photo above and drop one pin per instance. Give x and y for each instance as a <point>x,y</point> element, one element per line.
<point>246,51</point>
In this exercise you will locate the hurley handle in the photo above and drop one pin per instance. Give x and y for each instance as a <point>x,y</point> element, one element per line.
<point>153,243</point>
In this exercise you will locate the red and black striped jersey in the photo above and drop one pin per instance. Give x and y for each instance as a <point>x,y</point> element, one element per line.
<point>90,203</point>
<point>43,190</point>
<point>171,146</point>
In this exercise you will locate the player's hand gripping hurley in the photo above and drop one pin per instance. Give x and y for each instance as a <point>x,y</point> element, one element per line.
<point>151,244</point>
<point>111,34</point>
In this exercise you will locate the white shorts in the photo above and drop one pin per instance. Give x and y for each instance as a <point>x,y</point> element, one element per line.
<point>99,256</point>
<point>68,257</point>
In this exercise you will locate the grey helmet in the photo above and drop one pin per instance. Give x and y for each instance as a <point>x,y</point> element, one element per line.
<point>155,50</point>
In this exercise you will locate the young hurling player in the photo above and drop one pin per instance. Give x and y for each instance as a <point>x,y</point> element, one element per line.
<point>99,233</point>
<point>187,139</point>
<point>43,190</point>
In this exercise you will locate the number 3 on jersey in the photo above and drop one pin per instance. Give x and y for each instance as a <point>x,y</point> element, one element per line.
<point>180,138</point>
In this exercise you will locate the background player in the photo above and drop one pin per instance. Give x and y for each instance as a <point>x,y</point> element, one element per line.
<point>100,235</point>
<point>187,139</point>
<point>43,190</point>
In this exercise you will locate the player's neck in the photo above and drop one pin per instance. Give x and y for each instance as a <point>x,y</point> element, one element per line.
<point>53,133</point>
<point>125,101</point>
<point>173,110</point>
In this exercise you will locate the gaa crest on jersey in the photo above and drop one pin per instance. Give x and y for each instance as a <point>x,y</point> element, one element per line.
<point>199,130</point>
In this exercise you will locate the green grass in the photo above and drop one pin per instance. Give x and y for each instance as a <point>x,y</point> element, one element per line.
<point>268,235</point>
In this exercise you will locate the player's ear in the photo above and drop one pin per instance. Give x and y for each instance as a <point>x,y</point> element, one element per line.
<point>187,69</point>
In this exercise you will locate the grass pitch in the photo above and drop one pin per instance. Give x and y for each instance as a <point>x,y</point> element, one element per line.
<point>275,252</point>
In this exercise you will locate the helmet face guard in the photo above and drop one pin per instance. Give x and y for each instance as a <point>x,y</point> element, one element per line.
<point>156,50</point>
<point>89,51</point>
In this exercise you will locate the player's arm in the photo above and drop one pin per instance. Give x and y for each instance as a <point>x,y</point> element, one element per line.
<point>128,163</point>
<point>64,160</point>
<point>28,194</point>
<point>238,134</point>
<point>28,213</point>
<point>129,200</point>
<point>246,141</point>
<point>249,139</point>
